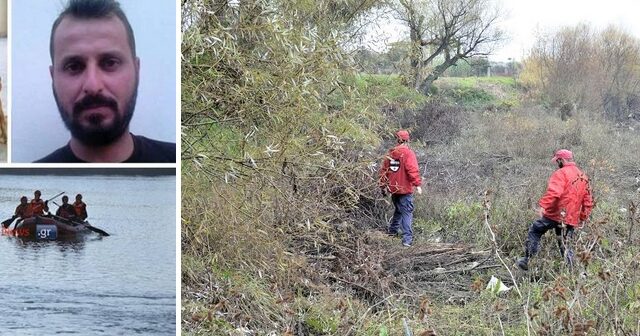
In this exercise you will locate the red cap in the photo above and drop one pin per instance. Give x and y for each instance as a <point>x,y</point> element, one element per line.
<point>403,135</point>
<point>563,154</point>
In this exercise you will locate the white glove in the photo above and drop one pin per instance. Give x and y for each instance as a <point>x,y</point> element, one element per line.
<point>419,190</point>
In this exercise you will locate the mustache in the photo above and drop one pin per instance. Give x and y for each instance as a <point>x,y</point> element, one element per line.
<point>94,101</point>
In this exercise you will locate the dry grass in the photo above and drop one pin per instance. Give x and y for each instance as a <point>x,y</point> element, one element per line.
<point>258,257</point>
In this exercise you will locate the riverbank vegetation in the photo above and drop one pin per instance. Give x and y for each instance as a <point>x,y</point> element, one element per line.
<point>282,220</point>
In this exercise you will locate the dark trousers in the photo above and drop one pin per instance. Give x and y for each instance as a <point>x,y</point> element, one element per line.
<point>402,216</point>
<point>539,227</point>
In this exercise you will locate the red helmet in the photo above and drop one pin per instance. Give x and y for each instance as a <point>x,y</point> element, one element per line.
<point>403,135</point>
<point>563,154</point>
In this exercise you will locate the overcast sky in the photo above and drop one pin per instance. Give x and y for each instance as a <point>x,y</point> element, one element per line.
<point>524,18</point>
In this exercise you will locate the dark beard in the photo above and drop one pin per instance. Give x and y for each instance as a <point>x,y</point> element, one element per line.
<point>98,136</point>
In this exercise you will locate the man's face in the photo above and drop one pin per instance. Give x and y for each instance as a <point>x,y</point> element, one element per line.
<point>95,78</point>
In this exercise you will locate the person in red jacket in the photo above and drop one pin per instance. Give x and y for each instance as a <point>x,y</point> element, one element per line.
<point>399,176</point>
<point>566,204</point>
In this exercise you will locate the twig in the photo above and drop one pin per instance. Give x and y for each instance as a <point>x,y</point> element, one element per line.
<point>329,257</point>
<point>468,257</point>
<point>462,270</point>
<point>632,220</point>
<point>367,312</point>
<point>407,331</point>
<point>487,206</point>
<point>355,285</point>
<point>501,326</point>
<point>526,313</point>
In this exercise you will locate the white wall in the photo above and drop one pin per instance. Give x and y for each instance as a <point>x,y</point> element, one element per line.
<point>36,126</point>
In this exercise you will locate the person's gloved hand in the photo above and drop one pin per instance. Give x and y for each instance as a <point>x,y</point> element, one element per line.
<point>419,190</point>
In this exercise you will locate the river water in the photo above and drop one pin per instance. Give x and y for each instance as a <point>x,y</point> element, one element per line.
<point>124,284</point>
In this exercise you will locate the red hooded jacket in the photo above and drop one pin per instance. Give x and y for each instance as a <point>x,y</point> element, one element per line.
<point>399,172</point>
<point>568,191</point>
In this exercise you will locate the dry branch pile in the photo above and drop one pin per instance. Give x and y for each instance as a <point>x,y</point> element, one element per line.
<point>375,266</point>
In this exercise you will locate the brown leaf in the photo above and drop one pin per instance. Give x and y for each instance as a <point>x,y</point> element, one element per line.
<point>428,332</point>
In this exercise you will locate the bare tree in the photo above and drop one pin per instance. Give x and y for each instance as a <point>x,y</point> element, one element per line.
<point>443,32</point>
<point>618,57</point>
<point>564,56</point>
<point>595,70</point>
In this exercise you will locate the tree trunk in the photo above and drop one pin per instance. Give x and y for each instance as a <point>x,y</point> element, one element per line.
<point>425,85</point>
<point>414,55</point>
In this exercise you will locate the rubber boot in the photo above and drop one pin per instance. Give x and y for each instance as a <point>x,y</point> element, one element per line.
<point>523,263</point>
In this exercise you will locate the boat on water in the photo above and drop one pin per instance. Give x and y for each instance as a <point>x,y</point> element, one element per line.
<point>48,228</point>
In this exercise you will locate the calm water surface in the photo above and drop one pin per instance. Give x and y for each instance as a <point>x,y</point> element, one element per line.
<point>124,284</point>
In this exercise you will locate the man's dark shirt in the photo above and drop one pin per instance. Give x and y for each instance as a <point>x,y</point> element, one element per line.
<point>144,150</point>
<point>66,211</point>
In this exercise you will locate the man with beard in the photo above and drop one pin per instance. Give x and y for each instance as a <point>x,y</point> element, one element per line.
<point>95,74</point>
<point>565,206</point>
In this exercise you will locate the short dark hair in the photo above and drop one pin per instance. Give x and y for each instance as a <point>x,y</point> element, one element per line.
<point>94,9</point>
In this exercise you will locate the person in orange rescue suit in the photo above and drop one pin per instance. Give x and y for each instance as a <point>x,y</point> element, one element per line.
<point>38,206</point>
<point>565,206</point>
<point>66,210</point>
<point>23,210</point>
<point>399,176</point>
<point>80,207</point>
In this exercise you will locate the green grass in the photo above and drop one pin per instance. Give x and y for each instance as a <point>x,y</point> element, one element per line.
<point>473,92</point>
<point>507,153</point>
<point>494,93</point>
<point>508,82</point>
<point>388,89</point>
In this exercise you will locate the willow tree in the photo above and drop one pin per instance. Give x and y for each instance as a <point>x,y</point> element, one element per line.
<point>260,77</point>
<point>444,32</point>
<point>274,142</point>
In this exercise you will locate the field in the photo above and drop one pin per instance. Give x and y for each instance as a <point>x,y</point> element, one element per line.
<point>293,243</point>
